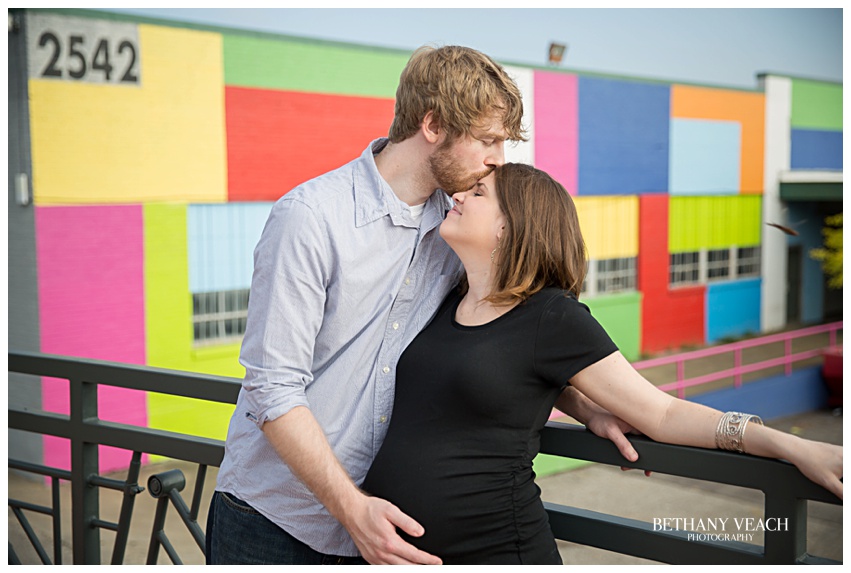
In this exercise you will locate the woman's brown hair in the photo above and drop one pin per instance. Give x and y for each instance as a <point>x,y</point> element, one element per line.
<point>542,244</point>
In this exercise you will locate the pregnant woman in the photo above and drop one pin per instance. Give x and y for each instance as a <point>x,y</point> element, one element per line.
<point>476,387</point>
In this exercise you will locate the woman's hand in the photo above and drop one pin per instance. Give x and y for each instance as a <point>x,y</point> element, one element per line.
<point>609,426</point>
<point>820,462</point>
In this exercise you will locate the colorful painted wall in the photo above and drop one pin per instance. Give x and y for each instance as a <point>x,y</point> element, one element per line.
<point>158,149</point>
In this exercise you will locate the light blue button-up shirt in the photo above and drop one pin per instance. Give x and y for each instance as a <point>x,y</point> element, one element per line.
<point>344,278</point>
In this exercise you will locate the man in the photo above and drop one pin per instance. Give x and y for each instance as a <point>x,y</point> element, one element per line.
<point>349,268</point>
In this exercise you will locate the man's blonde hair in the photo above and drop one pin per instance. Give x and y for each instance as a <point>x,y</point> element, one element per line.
<point>462,87</point>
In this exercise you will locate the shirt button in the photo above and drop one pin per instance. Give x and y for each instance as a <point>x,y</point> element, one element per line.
<point>395,326</point>
<point>382,419</point>
<point>386,369</point>
<point>407,280</point>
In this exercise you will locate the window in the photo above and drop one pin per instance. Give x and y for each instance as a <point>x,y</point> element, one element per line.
<point>718,264</point>
<point>615,275</point>
<point>684,268</point>
<point>705,266</point>
<point>607,276</point>
<point>219,317</point>
<point>748,261</point>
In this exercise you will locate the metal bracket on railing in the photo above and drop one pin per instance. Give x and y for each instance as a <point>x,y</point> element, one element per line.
<point>167,486</point>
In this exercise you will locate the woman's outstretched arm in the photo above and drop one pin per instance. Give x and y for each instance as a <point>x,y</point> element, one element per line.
<point>616,386</point>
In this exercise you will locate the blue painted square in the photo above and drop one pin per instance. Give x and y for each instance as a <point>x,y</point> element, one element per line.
<point>705,157</point>
<point>221,241</point>
<point>623,137</point>
<point>732,309</point>
<point>816,149</point>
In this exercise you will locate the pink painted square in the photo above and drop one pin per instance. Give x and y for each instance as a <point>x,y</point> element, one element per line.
<point>91,305</point>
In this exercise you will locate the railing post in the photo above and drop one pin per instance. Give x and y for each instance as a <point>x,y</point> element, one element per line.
<point>737,363</point>
<point>787,353</point>
<point>57,520</point>
<point>789,515</point>
<point>85,504</point>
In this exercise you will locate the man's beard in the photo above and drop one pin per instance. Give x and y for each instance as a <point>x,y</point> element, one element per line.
<point>450,176</point>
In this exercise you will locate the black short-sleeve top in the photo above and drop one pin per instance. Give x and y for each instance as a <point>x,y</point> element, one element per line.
<point>470,404</point>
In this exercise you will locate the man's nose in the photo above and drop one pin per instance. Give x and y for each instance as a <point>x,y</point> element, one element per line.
<point>497,157</point>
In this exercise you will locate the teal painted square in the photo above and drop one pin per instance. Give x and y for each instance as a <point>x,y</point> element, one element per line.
<point>705,157</point>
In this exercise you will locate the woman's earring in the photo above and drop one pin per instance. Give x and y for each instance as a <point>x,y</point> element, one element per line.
<point>493,252</point>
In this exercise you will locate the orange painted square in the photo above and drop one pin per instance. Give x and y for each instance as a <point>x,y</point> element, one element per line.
<point>747,108</point>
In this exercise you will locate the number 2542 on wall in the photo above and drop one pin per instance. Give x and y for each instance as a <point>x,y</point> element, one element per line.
<point>82,50</point>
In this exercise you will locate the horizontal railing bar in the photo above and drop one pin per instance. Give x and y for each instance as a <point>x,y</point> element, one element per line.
<point>39,469</point>
<point>40,422</point>
<point>31,506</point>
<point>196,449</point>
<point>774,477</point>
<point>637,538</point>
<point>733,346</point>
<point>746,369</point>
<point>134,377</point>
<point>105,524</point>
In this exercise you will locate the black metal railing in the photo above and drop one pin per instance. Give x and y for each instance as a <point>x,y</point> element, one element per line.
<point>786,490</point>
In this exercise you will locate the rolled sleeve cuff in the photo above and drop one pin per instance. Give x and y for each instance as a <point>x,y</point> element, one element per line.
<point>260,413</point>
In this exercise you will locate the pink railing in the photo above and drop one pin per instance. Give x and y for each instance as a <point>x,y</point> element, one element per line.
<point>736,348</point>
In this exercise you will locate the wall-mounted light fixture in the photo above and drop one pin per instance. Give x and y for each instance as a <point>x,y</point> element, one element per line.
<point>557,52</point>
<point>22,189</point>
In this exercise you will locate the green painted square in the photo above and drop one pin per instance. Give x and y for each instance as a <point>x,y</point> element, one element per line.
<point>714,222</point>
<point>816,105</point>
<point>305,66</point>
<point>620,316</point>
<point>546,464</point>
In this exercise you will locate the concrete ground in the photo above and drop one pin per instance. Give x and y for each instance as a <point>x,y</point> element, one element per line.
<point>596,487</point>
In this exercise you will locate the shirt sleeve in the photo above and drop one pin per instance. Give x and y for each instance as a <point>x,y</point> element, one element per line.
<point>569,339</point>
<point>285,311</point>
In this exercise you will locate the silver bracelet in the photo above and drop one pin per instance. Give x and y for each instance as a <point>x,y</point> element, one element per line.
<point>730,433</point>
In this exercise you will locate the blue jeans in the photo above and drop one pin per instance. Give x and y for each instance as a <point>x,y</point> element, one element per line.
<point>237,534</point>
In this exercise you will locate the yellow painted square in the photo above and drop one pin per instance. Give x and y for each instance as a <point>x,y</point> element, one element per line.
<point>161,141</point>
<point>609,225</point>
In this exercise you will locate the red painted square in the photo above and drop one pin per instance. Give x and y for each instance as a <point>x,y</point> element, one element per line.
<point>279,139</point>
<point>670,318</point>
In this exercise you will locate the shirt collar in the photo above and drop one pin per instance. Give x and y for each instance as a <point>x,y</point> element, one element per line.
<point>374,198</point>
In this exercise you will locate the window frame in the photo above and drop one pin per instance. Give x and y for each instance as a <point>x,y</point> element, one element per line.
<point>622,276</point>
<point>729,263</point>
<point>219,317</point>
